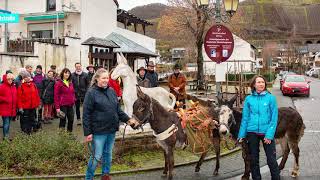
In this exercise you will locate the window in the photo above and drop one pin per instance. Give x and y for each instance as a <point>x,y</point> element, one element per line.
<point>47,34</point>
<point>51,5</point>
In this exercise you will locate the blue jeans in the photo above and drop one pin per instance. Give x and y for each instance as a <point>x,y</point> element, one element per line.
<point>6,126</point>
<point>102,146</point>
<point>270,150</point>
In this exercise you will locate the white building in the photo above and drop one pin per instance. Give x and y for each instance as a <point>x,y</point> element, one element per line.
<point>73,22</point>
<point>243,59</point>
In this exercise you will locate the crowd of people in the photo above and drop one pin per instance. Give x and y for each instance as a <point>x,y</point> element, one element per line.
<point>35,97</point>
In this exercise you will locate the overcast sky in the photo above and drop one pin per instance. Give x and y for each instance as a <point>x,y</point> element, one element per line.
<point>129,4</point>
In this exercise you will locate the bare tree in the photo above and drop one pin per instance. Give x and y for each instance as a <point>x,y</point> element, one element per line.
<point>191,18</point>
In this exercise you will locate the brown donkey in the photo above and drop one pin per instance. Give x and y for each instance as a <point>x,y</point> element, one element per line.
<point>289,131</point>
<point>165,125</point>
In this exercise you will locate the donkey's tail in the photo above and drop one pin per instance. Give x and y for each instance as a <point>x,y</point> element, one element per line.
<point>174,100</point>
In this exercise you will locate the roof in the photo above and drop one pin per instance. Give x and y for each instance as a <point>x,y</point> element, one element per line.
<point>125,15</point>
<point>128,46</point>
<point>99,42</point>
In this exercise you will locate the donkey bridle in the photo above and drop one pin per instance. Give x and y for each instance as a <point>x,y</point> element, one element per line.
<point>145,119</point>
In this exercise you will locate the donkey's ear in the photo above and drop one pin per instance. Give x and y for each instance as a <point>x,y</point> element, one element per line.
<point>232,100</point>
<point>140,93</point>
<point>220,100</point>
<point>123,59</point>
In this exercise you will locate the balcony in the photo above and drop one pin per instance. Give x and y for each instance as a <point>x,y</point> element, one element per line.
<point>27,45</point>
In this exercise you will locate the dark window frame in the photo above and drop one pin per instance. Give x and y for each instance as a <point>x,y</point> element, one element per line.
<point>53,6</point>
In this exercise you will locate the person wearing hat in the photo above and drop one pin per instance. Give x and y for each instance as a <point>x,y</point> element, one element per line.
<point>177,84</point>
<point>28,101</point>
<point>141,78</point>
<point>8,102</point>
<point>91,72</point>
<point>152,75</point>
<point>38,77</point>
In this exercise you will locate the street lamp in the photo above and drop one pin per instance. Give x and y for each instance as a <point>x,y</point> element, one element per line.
<point>230,7</point>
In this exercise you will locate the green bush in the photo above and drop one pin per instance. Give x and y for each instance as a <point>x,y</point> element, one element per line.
<point>269,76</point>
<point>42,153</point>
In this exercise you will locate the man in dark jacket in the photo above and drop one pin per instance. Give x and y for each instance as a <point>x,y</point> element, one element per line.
<point>141,78</point>
<point>152,75</point>
<point>90,69</point>
<point>80,83</point>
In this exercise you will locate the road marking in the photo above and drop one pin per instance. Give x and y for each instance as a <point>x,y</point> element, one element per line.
<point>312,131</point>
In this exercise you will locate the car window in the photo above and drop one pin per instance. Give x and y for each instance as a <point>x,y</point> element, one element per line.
<point>295,79</point>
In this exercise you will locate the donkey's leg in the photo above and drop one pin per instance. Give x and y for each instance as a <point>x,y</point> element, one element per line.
<point>165,171</point>
<point>216,146</point>
<point>246,158</point>
<point>285,151</point>
<point>203,155</point>
<point>296,151</point>
<point>170,162</point>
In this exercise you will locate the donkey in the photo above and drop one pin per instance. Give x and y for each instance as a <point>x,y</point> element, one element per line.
<point>166,127</point>
<point>289,131</point>
<point>124,71</point>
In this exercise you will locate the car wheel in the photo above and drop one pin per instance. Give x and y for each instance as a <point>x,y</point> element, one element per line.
<point>308,95</point>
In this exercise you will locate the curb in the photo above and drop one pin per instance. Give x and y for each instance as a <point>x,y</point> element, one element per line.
<point>123,172</point>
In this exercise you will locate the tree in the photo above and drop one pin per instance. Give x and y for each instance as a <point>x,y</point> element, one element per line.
<point>190,21</point>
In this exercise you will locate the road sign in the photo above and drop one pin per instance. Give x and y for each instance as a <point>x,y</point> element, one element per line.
<point>219,43</point>
<point>9,18</point>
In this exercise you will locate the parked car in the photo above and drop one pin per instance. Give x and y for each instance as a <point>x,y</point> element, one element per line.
<point>295,84</point>
<point>314,72</point>
<point>283,76</point>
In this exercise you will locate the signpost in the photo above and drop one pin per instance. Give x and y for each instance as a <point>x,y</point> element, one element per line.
<point>219,43</point>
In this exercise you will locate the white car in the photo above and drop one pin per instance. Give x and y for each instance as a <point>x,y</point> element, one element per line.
<point>312,71</point>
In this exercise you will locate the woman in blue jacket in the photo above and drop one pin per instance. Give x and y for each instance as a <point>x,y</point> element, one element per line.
<point>259,123</point>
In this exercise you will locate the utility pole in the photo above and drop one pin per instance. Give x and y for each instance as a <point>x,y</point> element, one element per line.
<point>6,29</point>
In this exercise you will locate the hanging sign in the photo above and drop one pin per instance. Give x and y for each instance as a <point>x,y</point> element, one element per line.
<point>219,43</point>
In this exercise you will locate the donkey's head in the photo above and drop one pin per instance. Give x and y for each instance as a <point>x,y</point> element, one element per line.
<point>122,69</point>
<point>223,111</point>
<point>142,107</point>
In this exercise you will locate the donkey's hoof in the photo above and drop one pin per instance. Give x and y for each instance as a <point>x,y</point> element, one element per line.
<point>215,173</point>
<point>197,169</point>
<point>164,173</point>
<point>294,174</point>
<point>245,177</point>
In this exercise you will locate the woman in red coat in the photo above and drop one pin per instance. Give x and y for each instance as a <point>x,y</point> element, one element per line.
<point>64,98</point>
<point>28,102</point>
<point>8,102</point>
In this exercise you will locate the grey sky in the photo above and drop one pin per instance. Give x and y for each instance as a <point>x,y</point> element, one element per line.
<point>129,4</point>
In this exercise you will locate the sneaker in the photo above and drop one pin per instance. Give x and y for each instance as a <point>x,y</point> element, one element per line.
<point>79,122</point>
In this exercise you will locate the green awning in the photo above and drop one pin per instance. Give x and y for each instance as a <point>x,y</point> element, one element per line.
<point>44,17</point>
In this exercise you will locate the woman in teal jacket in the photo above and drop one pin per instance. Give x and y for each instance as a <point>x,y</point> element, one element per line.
<point>259,123</point>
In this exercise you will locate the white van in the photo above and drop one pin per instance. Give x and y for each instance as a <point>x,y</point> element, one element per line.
<point>312,71</point>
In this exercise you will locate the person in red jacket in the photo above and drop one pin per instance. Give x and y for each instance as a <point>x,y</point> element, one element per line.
<point>28,102</point>
<point>115,85</point>
<point>64,98</point>
<point>8,102</point>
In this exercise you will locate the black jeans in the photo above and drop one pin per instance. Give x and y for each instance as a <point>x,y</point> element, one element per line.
<point>27,120</point>
<point>270,150</point>
<point>79,101</point>
<point>68,110</point>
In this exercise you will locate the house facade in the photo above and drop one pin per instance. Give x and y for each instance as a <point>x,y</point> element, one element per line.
<point>243,59</point>
<point>52,31</point>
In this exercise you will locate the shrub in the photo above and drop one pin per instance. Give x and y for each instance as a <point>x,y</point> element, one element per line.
<point>42,153</point>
